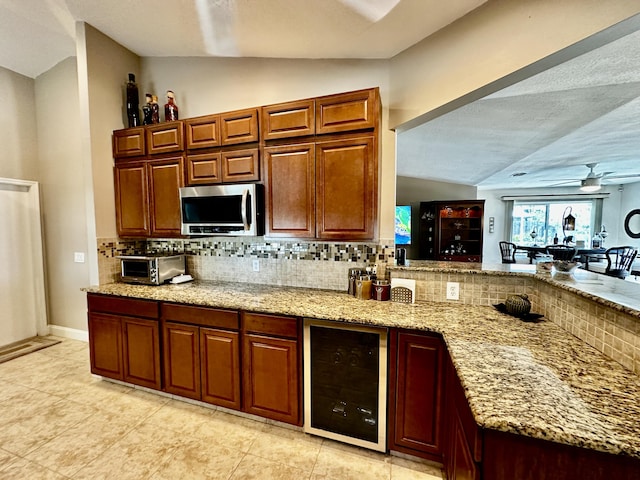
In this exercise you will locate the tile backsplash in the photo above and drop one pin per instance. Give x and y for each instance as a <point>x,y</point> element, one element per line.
<point>292,263</point>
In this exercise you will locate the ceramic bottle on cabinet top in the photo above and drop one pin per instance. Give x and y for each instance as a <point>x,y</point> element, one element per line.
<point>170,108</point>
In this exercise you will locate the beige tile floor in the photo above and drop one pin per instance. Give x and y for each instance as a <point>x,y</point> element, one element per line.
<point>57,421</point>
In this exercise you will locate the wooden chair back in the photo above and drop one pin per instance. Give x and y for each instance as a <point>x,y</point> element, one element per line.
<point>508,252</point>
<point>619,261</point>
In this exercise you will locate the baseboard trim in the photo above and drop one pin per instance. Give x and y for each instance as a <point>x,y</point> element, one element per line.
<point>71,333</point>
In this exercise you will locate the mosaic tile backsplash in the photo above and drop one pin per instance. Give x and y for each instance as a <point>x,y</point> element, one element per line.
<point>290,263</point>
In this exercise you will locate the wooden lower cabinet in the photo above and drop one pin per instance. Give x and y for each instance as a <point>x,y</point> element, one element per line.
<point>220,367</point>
<point>415,394</point>
<point>181,359</point>
<point>123,346</point>
<point>200,361</point>
<point>272,361</point>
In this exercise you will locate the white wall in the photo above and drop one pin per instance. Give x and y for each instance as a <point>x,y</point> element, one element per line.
<point>19,134</point>
<point>62,187</point>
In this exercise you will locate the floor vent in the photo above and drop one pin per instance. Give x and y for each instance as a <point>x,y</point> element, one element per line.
<point>30,345</point>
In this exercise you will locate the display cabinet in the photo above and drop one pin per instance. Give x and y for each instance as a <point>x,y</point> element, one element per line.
<point>451,230</point>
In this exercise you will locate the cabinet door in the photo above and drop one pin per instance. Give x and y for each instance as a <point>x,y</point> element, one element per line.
<point>165,179</point>
<point>240,165</point>
<point>347,111</point>
<point>202,132</point>
<point>128,142</point>
<point>164,138</point>
<point>418,404</point>
<point>239,127</point>
<point>286,120</point>
<point>462,465</point>
<point>141,352</point>
<point>290,190</point>
<point>132,200</point>
<point>203,169</point>
<point>220,367</point>
<point>105,345</point>
<point>181,359</point>
<point>346,189</point>
<point>271,378</point>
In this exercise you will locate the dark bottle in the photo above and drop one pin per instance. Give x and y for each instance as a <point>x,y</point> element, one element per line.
<point>555,239</point>
<point>147,118</point>
<point>155,110</point>
<point>170,108</point>
<point>133,113</point>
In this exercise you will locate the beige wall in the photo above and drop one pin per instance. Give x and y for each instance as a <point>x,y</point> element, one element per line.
<point>489,43</point>
<point>19,135</point>
<point>107,66</point>
<point>60,172</point>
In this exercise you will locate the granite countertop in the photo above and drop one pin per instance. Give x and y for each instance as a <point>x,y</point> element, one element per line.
<point>533,379</point>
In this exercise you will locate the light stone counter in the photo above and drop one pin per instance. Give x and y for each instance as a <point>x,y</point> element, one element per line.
<point>533,379</point>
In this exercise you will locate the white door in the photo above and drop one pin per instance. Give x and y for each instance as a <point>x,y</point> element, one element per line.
<point>22,307</point>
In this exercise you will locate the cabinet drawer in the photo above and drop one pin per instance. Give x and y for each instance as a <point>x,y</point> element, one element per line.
<point>292,119</point>
<point>204,316</point>
<point>240,165</point>
<point>203,169</point>
<point>128,142</point>
<point>202,132</point>
<point>239,127</point>
<point>164,138</point>
<point>270,324</point>
<point>348,111</point>
<point>123,306</point>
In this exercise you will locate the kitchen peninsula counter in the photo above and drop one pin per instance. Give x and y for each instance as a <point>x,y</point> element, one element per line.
<point>533,379</point>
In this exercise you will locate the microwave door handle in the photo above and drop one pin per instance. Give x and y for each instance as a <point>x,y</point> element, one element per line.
<point>243,209</point>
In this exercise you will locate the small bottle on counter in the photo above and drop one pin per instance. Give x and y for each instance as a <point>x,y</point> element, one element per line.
<point>133,112</point>
<point>155,110</point>
<point>170,108</point>
<point>555,239</point>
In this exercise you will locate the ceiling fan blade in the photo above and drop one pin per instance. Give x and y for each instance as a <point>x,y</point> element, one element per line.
<point>631,175</point>
<point>566,182</point>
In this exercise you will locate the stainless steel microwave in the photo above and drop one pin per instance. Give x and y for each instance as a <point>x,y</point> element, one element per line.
<point>222,210</point>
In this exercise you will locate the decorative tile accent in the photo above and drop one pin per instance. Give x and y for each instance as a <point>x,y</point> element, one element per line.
<point>289,263</point>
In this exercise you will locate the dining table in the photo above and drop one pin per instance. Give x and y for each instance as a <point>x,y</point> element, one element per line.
<point>582,252</point>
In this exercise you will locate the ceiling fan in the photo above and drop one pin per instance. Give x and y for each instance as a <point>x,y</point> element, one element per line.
<point>593,181</point>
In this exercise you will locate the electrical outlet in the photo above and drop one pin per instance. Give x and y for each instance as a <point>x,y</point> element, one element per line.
<point>256,265</point>
<point>453,291</point>
<point>78,257</point>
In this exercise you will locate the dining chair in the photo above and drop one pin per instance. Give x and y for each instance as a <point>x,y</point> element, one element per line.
<point>619,261</point>
<point>562,252</point>
<point>508,252</point>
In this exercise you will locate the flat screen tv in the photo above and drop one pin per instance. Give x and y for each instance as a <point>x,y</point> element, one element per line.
<point>403,225</point>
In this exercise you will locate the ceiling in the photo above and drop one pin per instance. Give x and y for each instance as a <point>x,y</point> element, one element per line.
<point>37,34</point>
<point>549,126</point>
<point>586,110</point>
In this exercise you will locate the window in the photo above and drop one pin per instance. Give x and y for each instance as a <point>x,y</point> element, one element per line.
<point>545,218</point>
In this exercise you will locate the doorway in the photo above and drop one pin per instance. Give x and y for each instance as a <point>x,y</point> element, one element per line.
<point>22,290</point>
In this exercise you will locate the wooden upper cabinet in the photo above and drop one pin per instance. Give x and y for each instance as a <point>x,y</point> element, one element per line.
<point>346,189</point>
<point>165,179</point>
<point>239,127</point>
<point>128,142</point>
<point>164,138</point>
<point>290,190</point>
<point>348,111</point>
<point>240,165</point>
<point>291,119</point>
<point>204,169</point>
<point>132,199</point>
<point>202,132</point>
